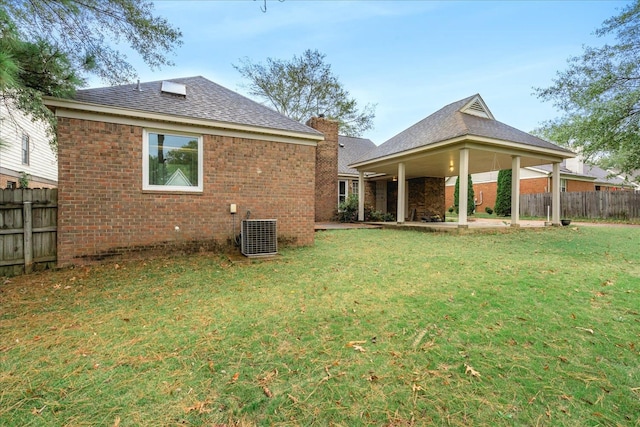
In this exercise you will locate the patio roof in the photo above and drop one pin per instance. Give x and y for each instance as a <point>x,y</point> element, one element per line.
<point>431,147</point>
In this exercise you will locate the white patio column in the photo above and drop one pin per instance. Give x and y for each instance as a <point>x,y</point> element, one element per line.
<point>463,188</point>
<point>361,196</point>
<point>555,195</point>
<point>515,191</point>
<point>402,190</point>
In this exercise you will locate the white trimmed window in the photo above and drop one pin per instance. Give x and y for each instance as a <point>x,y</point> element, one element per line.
<point>563,185</point>
<point>342,191</point>
<point>172,161</point>
<point>25,149</point>
<point>354,187</point>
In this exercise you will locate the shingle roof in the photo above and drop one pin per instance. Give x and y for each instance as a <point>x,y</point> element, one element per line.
<point>602,176</point>
<point>351,149</point>
<point>599,175</point>
<point>204,100</point>
<point>563,170</point>
<point>449,122</point>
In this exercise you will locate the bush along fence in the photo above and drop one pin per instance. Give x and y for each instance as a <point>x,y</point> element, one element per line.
<point>28,230</point>
<point>622,205</point>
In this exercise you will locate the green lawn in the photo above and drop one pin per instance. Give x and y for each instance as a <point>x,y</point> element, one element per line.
<point>536,327</point>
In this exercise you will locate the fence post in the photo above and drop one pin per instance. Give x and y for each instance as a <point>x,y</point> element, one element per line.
<point>28,233</point>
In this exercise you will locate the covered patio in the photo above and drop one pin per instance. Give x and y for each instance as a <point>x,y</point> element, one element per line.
<point>457,140</point>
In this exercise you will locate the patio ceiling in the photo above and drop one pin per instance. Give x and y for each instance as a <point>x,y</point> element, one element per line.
<point>443,160</point>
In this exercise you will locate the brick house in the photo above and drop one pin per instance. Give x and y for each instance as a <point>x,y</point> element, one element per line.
<point>26,150</point>
<point>350,149</point>
<point>119,150</point>
<point>410,169</point>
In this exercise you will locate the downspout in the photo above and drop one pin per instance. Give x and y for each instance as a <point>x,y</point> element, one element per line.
<point>481,199</point>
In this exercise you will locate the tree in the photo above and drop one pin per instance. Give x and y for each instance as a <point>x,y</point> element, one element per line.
<point>48,46</point>
<point>471,197</point>
<point>503,197</point>
<point>304,87</point>
<point>599,94</point>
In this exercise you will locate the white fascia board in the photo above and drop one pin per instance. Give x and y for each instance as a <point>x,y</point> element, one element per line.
<point>88,111</point>
<point>473,142</point>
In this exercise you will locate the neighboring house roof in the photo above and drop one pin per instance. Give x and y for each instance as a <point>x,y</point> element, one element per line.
<point>467,117</point>
<point>202,99</point>
<point>604,177</point>
<point>591,172</point>
<point>351,149</point>
<point>564,171</point>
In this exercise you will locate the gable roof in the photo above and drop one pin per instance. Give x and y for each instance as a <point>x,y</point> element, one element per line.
<point>351,149</point>
<point>466,117</point>
<point>204,99</point>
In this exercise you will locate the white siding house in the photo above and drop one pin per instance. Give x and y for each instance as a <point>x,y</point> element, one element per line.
<point>25,151</point>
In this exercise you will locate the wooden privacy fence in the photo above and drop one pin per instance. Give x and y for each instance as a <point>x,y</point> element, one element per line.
<point>28,230</point>
<point>591,204</point>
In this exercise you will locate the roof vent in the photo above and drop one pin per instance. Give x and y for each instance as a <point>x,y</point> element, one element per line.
<point>477,108</point>
<point>174,88</point>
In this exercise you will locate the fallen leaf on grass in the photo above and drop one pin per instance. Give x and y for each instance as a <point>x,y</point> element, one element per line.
<point>36,411</point>
<point>292,398</point>
<point>416,387</point>
<point>468,369</point>
<point>267,392</point>
<point>116,422</point>
<point>359,348</point>
<point>353,343</point>
<point>235,377</point>
<point>199,406</point>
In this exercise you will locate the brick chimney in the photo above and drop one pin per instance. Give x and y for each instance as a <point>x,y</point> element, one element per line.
<point>326,168</point>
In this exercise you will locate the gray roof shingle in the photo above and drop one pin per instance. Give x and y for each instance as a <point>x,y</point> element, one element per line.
<point>351,149</point>
<point>449,122</point>
<point>204,100</point>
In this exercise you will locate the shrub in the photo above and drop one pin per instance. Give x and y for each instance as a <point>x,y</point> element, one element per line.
<point>348,210</point>
<point>488,210</point>
<point>471,199</point>
<point>451,209</point>
<point>503,198</point>
<point>379,216</point>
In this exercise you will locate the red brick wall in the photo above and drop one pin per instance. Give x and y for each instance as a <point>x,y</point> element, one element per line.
<point>326,169</point>
<point>580,186</point>
<point>103,210</point>
<point>426,196</point>
<point>488,197</point>
<point>33,182</point>
<point>535,185</point>
<point>490,190</point>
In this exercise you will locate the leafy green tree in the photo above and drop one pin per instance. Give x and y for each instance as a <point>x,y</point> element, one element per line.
<point>47,47</point>
<point>304,87</point>
<point>503,197</point>
<point>471,197</point>
<point>599,94</point>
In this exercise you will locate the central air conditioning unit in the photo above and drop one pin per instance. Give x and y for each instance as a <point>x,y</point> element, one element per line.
<point>259,237</point>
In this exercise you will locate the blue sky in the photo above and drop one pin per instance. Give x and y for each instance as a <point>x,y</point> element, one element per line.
<point>408,57</point>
